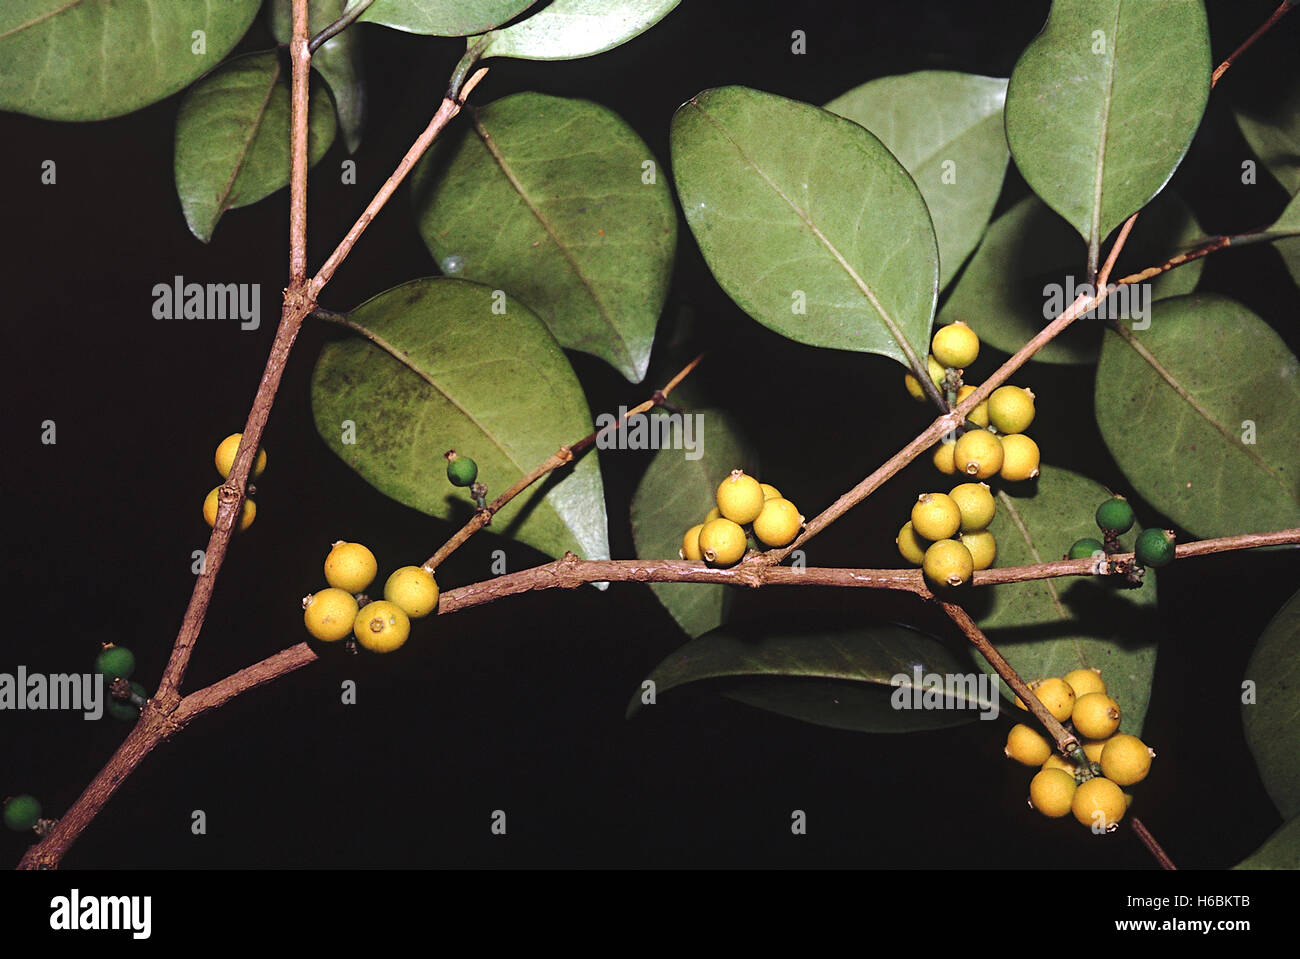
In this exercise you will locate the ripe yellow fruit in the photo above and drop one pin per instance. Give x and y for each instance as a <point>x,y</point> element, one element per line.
<point>1057,696</point>
<point>1096,716</point>
<point>1052,792</point>
<point>350,566</point>
<point>414,589</point>
<point>212,502</point>
<point>1125,760</point>
<point>711,515</point>
<point>329,614</point>
<point>381,626</point>
<point>937,373</point>
<point>722,542</point>
<point>943,458</point>
<point>980,414</point>
<point>948,563</point>
<point>691,544</point>
<point>1011,409</point>
<point>936,516</point>
<point>740,497</point>
<point>1026,746</point>
<point>1085,681</point>
<point>1099,804</point>
<point>955,345</point>
<point>983,548</point>
<point>1020,458</point>
<point>225,457</point>
<point>778,523</point>
<point>769,491</point>
<point>1056,762</point>
<point>911,546</point>
<point>978,454</point>
<point>977,505</point>
<point>1092,749</point>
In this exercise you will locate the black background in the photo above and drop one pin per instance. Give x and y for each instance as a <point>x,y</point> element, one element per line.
<point>519,705</point>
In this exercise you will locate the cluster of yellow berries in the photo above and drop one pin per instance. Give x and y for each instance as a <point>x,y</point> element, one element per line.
<point>380,626</point>
<point>742,501</point>
<point>948,534</point>
<point>224,459</point>
<point>1091,791</point>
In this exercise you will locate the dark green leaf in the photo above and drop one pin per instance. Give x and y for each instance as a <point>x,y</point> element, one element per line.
<point>439,370</point>
<point>1199,413</point>
<point>1030,261</point>
<point>794,208</point>
<point>1104,103</point>
<point>1289,222</point>
<point>1273,132</point>
<point>232,138</point>
<point>1281,851</point>
<point>576,231</point>
<point>1270,720</point>
<point>338,60</point>
<point>444,18</point>
<point>845,680</point>
<point>91,60</point>
<point>568,29</point>
<point>1048,627</point>
<point>673,495</point>
<point>954,148</point>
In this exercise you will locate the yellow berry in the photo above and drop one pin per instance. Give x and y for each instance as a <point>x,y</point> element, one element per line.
<point>1085,681</point>
<point>978,454</point>
<point>976,504</point>
<point>1056,762</point>
<point>1011,409</point>
<point>936,516</point>
<point>350,566</point>
<point>740,497</point>
<point>955,345</point>
<point>1125,760</point>
<point>778,523</point>
<point>1099,803</point>
<point>1092,749</point>
<point>381,626</point>
<point>911,546</point>
<point>769,491</point>
<point>937,373</point>
<point>1052,792</point>
<point>1026,746</point>
<point>983,548</point>
<point>225,457</point>
<point>1096,716</point>
<point>943,460</point>
<point>414,589</point>
<point>1057,696</point>
<point>948,563</point>
<point>722,542</point>
<point>212,502</point>
<point>980,414</point>
<point>1020,458</point>
<point>329,614</point>
<point>691,544</point>
<point>711,515</point>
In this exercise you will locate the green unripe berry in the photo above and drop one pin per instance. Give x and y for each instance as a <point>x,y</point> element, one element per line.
<point>1011,409</point>
<point>414,589</point>
<point>955,345</point>
<point>976,504</point>
<point>115,662</point>
<point>948,563</point>
<point>127,712</point>
<point>983,548</point>
<point>350,566</point>
<point>461,471</point>
<point>1115,515</point>
<point>330,614</point>
<point>1056,695</point>
<point>1099,804</point>
<point>1096,716</point>
<point>1051,792</point>
<point>1125,760</point>
<point>21,813</point>
<point>1026,746</point>
<point>1154,547</point>
<point>936,516</point>
<point>1086,548</point>
<point>381,626</point>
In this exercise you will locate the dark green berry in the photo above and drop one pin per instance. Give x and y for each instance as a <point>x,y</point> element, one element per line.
<point>127,712</point>
<point>21,813</point>
<point>1154,547</point>
<point>1085,548</point>
<point>1115,515</point>
<point>462,471</point>
<point>115,662</point>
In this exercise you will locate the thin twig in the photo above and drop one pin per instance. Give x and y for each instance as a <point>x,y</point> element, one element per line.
<point>1267,25</point>
<point>339,25</point>
<point>1153,847</point>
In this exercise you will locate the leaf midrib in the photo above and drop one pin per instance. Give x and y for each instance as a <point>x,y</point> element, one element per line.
<point>1094,229</point>
<point>242,155</point>
<point>42,18</point>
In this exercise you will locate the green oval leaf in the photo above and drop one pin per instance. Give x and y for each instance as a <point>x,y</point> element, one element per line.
<point>1104,103</point>
<point>444,18</point>
<point>1048,627</point>
<point>439,369</point>
<point>91,60</point>
<point>1273,132</point>
<point>1281,851</point>
<point>807,221</point>
<point>577,232</point>
<point>1030,266</point>
<point>338,60</point>
<point>569,29</point>
<point>955,148</point>
<point>1270,720</point>
<point>1199,413</point>
<point>232,138</point>
<point>673,495</point>
<point>863,679</point>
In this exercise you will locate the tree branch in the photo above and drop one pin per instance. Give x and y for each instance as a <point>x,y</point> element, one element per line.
<point>339,25</point>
